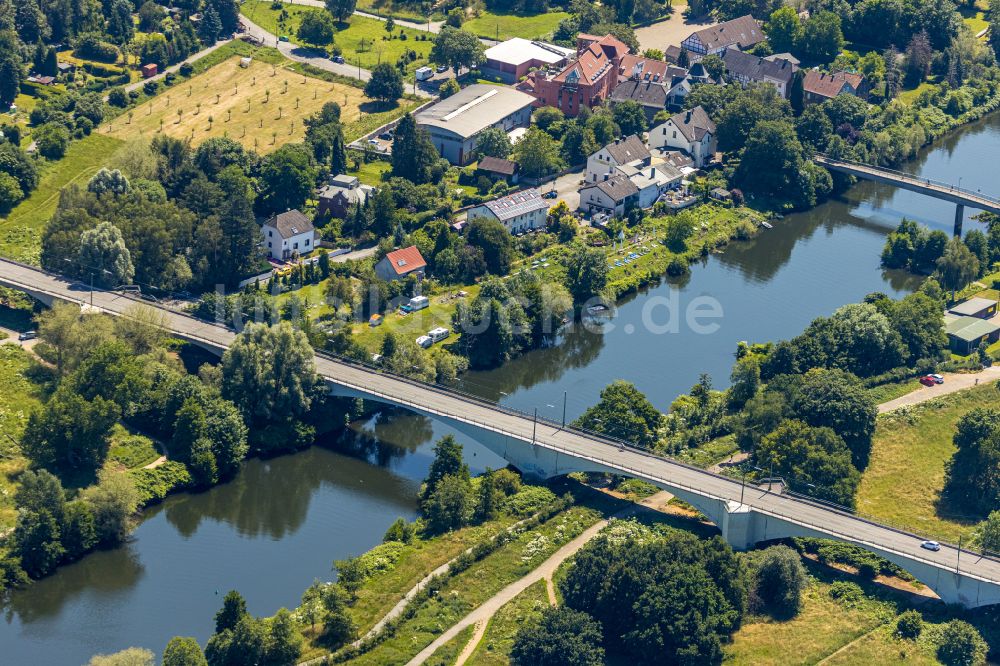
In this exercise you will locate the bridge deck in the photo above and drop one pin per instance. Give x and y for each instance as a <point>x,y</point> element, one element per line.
<point>927,186</point>
<point>488,416</point>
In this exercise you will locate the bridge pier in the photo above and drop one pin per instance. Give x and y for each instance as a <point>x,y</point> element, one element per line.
<point>959,217</point>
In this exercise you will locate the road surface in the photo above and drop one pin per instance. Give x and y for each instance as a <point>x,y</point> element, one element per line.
<point>315,57</point>
<point>953,382</point>
<point>585,449</point>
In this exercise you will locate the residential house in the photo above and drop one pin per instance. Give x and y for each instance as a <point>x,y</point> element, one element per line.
<point>630,150</point>
<point>496,168</point>
<point>745,69</point>
<point>511,60</point>
<point>691,131</point>
<point>966,334</point>
<point>614,196</point>
<point>651,181</point>
<point>288,234</point>
<point>517,212</point>
<point>455,123</point>
<point>342,195</point>
<point>65,67</point>
<point>981,308</point>
<point>741,33</point>
<point>821,86</point>
<point>41,80</point>
<point>774,57</point>
<point>654,84</point>
<point>586,81</point>
<point>397,264</point>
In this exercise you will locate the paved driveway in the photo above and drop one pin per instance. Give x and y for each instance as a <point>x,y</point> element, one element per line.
<point>670,31</point>
<point>952,382</point>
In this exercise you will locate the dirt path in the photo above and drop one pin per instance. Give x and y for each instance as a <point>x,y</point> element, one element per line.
<point>550,589</point>
<point>952,382</point>
<point>156,463</point>
<point>544,571</point>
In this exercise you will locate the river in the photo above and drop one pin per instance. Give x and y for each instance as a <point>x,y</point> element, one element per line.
<point>282,521</point>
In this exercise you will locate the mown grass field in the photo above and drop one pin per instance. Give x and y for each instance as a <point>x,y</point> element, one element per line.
<point>415,324</point>
<point>361,38</point>
<point>261,106</point>
<point>910,449</point>
<point>490,25</point>
<point>21,230</point>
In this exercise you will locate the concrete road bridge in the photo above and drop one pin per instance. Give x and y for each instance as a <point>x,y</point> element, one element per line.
<point>932,188</point>
<point>745,515</point>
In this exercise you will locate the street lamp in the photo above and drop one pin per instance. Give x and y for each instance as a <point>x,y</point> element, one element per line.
<point>534,427</point>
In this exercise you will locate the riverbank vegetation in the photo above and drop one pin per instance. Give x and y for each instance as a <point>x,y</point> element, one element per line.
<point>117,386</point>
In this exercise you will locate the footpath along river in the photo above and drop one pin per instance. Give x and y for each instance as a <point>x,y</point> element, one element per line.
<point>282,522</point>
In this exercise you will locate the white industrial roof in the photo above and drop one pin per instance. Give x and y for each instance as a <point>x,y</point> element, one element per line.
<point>517,50</point>
<point>473,109</point>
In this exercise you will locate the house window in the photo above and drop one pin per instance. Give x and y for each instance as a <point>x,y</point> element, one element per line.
<point>269,234</point>
<point>295,246</point>
<point>675,134</point>
<point>307,242</point>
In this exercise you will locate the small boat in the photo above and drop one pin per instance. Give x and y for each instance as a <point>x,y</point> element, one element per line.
<point>599,310</point>
<point>766,225</point>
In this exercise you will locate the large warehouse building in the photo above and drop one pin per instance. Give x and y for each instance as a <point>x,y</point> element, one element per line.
<point>455,123</point>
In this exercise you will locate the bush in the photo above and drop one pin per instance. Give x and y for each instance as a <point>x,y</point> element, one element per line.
<point>846,592</point>
<point>117,97</point>
<point>909,625</point>
<point>52,140</point>
<point>150,87</point>
<point>778,580</point>
<point>961,645</point>
<point>186,69</point>
<point>92,47</point>
<point>529,500</point>
<point>155,484</point>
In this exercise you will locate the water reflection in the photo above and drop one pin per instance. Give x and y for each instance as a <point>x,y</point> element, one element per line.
<point>283,521</point>
<point>87,578</point>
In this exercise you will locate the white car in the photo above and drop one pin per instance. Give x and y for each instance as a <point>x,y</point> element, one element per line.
<point>938,379</point>
<point>931,545</point>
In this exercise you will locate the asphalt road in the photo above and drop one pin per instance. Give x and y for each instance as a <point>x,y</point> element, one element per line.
<point>439,403</point>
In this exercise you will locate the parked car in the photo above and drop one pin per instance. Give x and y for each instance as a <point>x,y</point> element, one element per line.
<point>551,194</point>
<point>938,379</point>
<point>282,38</point>
<point>27,335</point>
<point>385,136</point>
<point>441,69</point>
<point>338,59</point>
<point>373,142</point>
<point>928,381</point>
<point>931,545</point>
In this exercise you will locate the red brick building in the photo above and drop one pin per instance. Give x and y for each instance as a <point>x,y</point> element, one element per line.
<point>587,81</point>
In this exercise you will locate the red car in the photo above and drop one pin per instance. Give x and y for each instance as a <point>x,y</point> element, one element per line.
<point>928,381</point>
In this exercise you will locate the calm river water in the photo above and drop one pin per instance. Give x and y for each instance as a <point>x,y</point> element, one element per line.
<point>282,522</point>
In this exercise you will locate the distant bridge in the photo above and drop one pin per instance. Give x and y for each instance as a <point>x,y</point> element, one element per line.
<point>745,515</point>
<point>928,186</point>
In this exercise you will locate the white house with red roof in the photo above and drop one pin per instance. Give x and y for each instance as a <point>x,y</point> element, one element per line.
<point>397,264</point>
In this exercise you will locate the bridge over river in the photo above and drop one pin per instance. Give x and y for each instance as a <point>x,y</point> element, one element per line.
<point>932,188</point>
<point>745,515</point>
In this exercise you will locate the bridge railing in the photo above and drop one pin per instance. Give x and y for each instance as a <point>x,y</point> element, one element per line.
<point>599,438</point>
<point>606,440</point>
<point>920,180</point>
